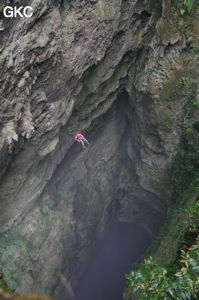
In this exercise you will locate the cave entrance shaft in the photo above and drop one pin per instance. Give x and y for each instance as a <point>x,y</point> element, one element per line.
<point>98,186</point>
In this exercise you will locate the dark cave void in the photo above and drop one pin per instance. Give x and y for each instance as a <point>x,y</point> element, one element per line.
<point>111,259</point>
<point>107,201</point>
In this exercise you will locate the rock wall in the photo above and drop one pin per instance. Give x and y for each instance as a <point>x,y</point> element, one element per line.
<point>96,67</point>
<point>44,64</point>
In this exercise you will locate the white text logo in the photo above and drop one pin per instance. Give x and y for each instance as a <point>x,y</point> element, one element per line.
<point>13,12</point>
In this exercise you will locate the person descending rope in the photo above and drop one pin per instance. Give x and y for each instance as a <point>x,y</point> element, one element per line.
<point>81,139</point>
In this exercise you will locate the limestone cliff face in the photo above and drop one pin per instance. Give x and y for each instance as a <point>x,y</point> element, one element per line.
<point>97,67</point>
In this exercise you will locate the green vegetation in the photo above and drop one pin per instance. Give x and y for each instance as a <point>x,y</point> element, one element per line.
<point>183,80</point>
<point>188,4</point>
<point>193,215</point>
<point>165,119</point>
<point>185,7</point>
<point>7,253</point>
<point>3,284</point>
<point>181,87</point>
<point>186,130</point>
<point>196,104</point>
<point>168,275</point>
<point>184,171</point>
<point>21,243</point>
<point>178,279</point>
<point>153,282</point>
<point>180,220</point>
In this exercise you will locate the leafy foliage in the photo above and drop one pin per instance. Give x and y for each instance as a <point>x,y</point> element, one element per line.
<point>153,282</point>
<point>183,80</point>
<point>188,4</point>
<point>185,7</point>
<point>180,187</point>
<point>185,167</point>
<point>3,284</point>
<point>193,215</point>
<point>196,104</point>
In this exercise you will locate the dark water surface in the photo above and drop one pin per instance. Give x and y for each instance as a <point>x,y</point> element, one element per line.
<point>104,278</point>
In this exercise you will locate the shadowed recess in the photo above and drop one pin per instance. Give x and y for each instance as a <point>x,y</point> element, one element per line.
<point>113,257</point>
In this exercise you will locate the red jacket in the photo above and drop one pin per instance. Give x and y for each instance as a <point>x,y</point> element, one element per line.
<point>79,137</point>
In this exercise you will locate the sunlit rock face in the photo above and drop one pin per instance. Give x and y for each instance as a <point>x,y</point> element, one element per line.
<point>96,67</point>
